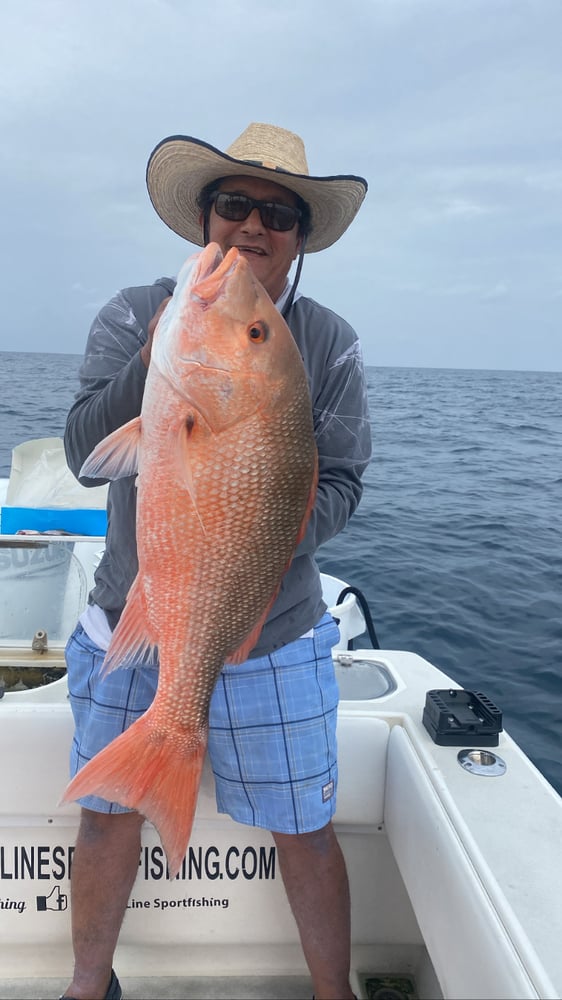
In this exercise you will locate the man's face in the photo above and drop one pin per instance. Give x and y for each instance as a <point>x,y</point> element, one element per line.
<point>269,253</point>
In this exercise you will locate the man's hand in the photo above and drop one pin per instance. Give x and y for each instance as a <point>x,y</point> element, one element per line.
<point>147,349</point>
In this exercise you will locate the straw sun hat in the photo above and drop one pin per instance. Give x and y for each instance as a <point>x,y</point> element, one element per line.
<point>180,167</point>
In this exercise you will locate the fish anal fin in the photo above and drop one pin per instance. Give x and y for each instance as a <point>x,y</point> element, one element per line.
<point>147,770</point>
<point>132,638</point>
<point>117,455</point>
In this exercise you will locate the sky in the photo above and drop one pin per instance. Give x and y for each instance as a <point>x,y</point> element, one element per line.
<point>451,109</point>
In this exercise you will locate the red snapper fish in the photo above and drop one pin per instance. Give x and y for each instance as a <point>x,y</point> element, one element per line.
<point>227,470</point>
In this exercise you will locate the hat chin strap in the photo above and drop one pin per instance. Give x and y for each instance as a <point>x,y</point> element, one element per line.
<point>206,226</point>
<point>291,295</point>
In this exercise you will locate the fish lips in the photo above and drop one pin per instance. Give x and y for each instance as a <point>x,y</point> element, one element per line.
<point>214,272</point>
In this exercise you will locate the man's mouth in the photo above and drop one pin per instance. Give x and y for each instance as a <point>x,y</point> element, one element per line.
<point>247,249</point>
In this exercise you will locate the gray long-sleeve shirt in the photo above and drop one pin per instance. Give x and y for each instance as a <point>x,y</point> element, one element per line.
<point>112,379</point>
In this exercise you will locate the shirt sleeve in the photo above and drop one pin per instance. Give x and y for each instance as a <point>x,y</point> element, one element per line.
<point>343,437</point>
<point>112,379</point>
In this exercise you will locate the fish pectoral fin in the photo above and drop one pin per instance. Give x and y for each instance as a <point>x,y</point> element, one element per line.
<point>183,465</point>
<point>132,639</point>
<point>117,455</point>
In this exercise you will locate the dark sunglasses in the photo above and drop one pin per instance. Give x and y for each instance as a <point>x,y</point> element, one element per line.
<point>237,207</point>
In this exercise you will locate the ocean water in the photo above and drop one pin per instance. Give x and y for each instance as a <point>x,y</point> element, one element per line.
<point>457,544</point>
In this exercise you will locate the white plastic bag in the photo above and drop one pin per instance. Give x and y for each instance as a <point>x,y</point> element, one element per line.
<point>40,477</point>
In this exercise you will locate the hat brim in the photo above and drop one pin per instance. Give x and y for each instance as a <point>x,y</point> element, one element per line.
<point>181,166</point>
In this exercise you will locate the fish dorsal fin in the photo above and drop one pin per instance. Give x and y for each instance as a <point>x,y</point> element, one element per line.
<point>117,455</point>
<point>310,503</point>
<point>243,651</point>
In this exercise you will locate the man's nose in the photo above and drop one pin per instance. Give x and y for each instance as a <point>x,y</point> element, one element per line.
<point>253,222</point>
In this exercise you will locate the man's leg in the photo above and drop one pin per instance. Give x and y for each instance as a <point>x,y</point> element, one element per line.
<point>315,879</point>
<point>107,843</point>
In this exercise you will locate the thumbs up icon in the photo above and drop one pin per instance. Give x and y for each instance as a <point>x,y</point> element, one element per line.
<point>56,900</point>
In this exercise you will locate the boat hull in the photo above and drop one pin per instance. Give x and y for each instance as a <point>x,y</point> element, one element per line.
<point>442,863</point>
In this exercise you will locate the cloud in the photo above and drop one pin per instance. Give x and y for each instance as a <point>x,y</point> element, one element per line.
<point>497,291</point>
<point>449,108</point>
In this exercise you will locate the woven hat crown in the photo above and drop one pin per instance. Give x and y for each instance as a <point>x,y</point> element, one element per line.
<point>272,147</point>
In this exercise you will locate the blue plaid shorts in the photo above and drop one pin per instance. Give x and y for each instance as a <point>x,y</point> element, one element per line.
<point>272,727</point>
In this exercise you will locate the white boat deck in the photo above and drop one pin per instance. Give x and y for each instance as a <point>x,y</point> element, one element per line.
<point>174,988</point>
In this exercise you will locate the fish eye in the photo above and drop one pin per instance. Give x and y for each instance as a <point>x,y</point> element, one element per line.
<point>258,332</point>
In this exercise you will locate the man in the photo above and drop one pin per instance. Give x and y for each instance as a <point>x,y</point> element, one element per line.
<point>259,197</point>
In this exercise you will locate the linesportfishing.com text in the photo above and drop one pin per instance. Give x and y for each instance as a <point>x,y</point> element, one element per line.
<point>42,861</point>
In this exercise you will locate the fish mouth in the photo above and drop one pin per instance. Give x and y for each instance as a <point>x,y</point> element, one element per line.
<point>212,390</point>
<point>209,260</point>
<point>214,271</point>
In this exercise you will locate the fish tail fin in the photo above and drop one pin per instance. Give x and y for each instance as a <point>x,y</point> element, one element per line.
<point>145,770</point>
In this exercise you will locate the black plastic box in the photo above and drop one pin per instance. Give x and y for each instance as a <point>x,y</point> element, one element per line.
<point>457,717</point>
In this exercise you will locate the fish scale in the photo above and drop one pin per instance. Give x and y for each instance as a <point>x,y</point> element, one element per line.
<point>226,466</point>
